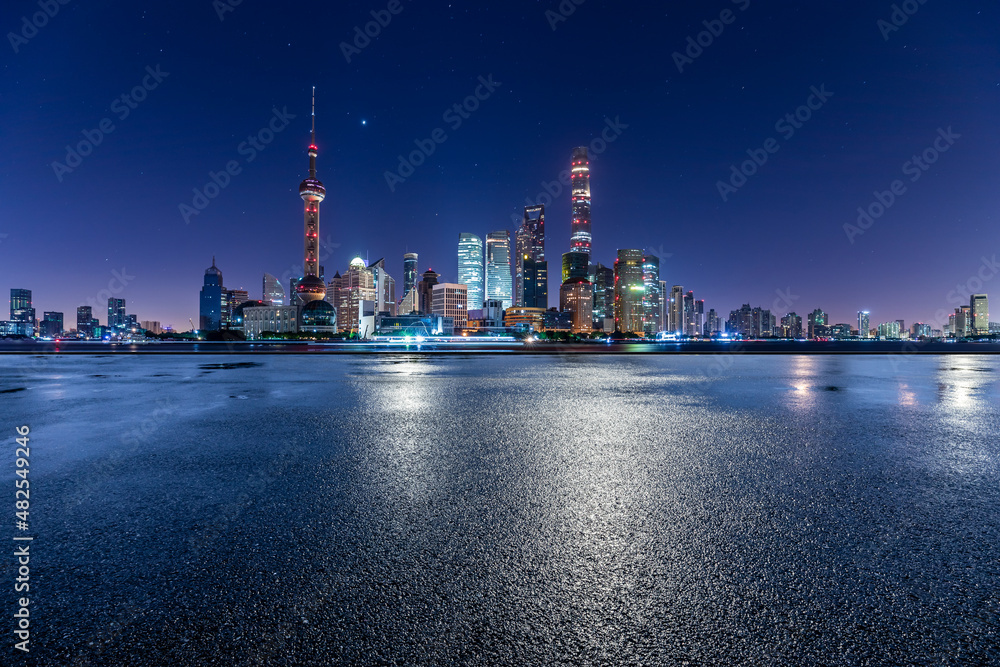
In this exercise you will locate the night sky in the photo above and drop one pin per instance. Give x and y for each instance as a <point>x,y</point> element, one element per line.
<point>777,241</point>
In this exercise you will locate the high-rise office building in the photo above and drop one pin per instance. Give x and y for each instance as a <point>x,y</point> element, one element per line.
<point>470,268</point>
<point>864,323</point>
<point>273,292</point>
<point>116,314</point>
<point>529,243</point>
<point>889,330</point>
<point>713,324</point>
<point>918,329</point>
<point>232,299</point>
<point>791,326</point>
<point>354,287</point>
<point>451,300</point>
<point>385,288</point>
<point>602,279</point>
<point>21,309</point>
<point>51,325</point>
<point>84,322</point>
<point>409,272</point>
<point>425,290</point>
<point>575,265</point>
<point>312,192</point>
<point>652,298</point>
<point>629,288</point>
<point>576,296</point>
<point>210,317</point>
<point>580,238</point>
<point>817,319</point>
<point>499,284</point>
<point>676,314</point>
<point>979,306</point>
<point>535,285</point>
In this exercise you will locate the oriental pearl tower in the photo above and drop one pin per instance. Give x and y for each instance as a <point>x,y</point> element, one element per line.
<point>311,287</point>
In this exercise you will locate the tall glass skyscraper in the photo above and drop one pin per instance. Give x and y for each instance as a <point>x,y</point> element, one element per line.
<point>580,182</point>
<point>409,272</point>
<point>863,323</point>
<point>210,318</point>
<point>470,268</point>
<point>651,296</point>
<point>498,277</point>
<point>530,245</point>
<point>629,288</point>
<point>116,313</point>
<point>273,291</point>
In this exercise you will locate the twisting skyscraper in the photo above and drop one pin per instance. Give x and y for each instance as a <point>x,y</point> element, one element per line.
<point>311,287</point>
<point>580,181</point>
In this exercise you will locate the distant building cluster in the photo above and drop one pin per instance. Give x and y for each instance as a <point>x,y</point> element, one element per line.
<point>501,287</point>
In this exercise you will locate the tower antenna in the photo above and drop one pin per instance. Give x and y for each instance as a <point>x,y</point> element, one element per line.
<point>314,117</point>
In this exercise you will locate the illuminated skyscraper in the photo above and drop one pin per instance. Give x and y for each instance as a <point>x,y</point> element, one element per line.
<point>602,279</point>
<point>629,289</point>
<point>22,314</point>
<point>576,296</point>
<point>536,283</point>
<point>470,268</point>
<point>816,324</point>
<point>979,306</point>
<point>84,324</point>
<point>498,277</point>
<point>651,295</point>
<point>273,292</point>
<point>312,191</point>
<point>409,272</point>
<point>864,323</point>
<point>210,318</point>
<point>580,182</point>
<point>676,314</point>
<point>529,241</point>
<point>116,308</point>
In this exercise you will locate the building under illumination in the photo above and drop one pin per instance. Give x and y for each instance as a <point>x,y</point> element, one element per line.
<point>576,296</point>
<point>273,292</point>
<point>529,241</point>
<point>580,238</point>
<point>499,284</point>
<point>210,317</point>
<point>470,268</point>
<point>629,289</point>
<point>979,306</point>
<point>652,298</point>
<point>451,300</point>
<point>864,323</point>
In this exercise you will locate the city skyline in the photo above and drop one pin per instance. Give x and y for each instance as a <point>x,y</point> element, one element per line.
<point>840,207</point>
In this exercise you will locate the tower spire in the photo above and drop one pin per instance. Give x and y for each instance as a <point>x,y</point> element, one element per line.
<point>311,287</point>
<point>314,117</point>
